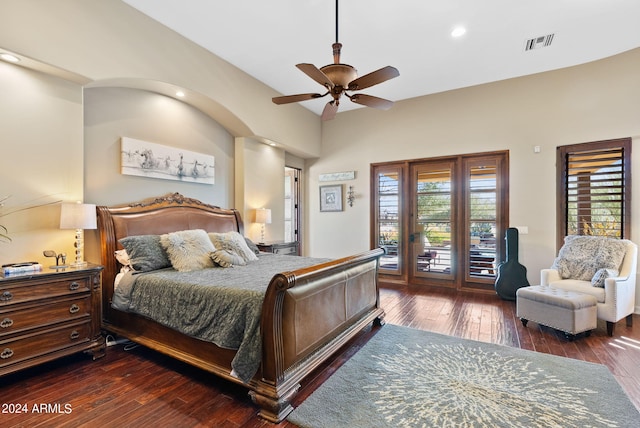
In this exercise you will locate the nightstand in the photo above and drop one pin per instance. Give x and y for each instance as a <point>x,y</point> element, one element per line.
<point>279,247</point>
<point>49,314</point>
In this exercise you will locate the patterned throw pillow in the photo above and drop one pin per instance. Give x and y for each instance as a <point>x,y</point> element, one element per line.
<point>188,250</point>
<point>225,258</point>
<point>601,275</point>
<point>233,242</point>
<point>252,246</point>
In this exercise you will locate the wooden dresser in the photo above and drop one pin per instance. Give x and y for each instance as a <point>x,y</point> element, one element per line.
<point>279,247</point>
<point>49,314</point>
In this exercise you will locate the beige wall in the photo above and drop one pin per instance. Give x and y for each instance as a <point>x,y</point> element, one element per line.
<point>109,44</point>
<point>42,157</point>
<point>105,48</point>
<point>112,113</point>
<point>591,102</point>
<point>262,186</point>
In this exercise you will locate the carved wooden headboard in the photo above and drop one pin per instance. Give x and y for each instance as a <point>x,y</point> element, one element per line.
<point>155,216</point>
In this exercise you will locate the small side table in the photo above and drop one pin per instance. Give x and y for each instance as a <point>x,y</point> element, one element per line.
<point>49,314</point>
<point>279,247</point>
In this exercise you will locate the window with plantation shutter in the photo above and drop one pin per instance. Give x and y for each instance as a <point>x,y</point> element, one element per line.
<point>594,182</point>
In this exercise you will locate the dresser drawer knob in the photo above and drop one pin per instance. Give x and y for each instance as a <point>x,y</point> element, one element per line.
<point>6,323</point>
<point>7,353</point>
<point>74,286</point>
<point>6,296</point>
<point>74,335</point>
<point>74,308</point>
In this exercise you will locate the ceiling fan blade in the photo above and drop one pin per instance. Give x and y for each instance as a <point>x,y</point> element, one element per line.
<point>317,75</point>
<point>330,110</point>
<point>295,98</point>
<point>370,101</point>
<point>373,78</point>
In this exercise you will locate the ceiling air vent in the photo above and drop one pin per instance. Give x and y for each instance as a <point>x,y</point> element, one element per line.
<point>538,42</point>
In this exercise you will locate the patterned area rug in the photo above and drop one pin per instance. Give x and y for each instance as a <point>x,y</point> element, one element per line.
<point>411,378</point>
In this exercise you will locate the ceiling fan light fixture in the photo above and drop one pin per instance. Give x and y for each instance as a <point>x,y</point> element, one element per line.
<point>340,74</point>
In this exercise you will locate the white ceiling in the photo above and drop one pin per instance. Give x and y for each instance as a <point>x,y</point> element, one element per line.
<point>266,38</point>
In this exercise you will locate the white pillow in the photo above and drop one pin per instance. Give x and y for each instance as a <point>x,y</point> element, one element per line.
<point>233,242</point>
<point>123,258</point>
<point>188,250</point>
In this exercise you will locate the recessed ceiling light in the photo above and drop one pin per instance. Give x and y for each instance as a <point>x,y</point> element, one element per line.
<point>458,32</point>
<point>180,94</point>
<point>9,58</point>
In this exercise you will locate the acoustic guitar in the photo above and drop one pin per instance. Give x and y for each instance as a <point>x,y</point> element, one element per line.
<point>511,274</point>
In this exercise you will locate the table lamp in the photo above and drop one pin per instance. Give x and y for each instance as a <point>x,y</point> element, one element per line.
<point>263,216</point>
<point>78,216</point>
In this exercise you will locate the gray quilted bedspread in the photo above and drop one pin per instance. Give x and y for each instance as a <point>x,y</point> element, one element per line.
<point>219,305</point>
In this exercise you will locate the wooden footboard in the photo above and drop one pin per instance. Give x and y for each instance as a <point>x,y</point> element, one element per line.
<point>307,314</point>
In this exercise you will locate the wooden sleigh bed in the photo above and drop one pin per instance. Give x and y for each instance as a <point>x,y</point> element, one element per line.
<point>307,314</point>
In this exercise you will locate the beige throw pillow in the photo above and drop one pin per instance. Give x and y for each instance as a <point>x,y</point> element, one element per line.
<point>188,250</point>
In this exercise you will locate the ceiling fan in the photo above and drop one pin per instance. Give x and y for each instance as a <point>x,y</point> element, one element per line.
<point>339,78</point>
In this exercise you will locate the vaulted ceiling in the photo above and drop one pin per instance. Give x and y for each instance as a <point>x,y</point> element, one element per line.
<point>266,39</point>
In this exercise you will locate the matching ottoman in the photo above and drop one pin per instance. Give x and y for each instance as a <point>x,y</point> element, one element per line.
<point>568,311</point>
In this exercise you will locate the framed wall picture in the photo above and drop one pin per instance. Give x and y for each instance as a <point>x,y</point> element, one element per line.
<point>331,198</point>
<point>152,160</point>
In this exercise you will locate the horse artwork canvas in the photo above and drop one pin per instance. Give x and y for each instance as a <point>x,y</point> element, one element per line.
<point>153,160</point>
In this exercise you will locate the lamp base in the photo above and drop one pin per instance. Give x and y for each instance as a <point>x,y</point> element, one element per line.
<point>78,264</point>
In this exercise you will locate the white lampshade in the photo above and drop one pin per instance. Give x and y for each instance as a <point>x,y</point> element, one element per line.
<point>77,216</point>
<point>263,216</point>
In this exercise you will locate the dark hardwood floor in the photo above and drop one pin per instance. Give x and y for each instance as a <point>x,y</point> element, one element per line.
<point>141,388</point>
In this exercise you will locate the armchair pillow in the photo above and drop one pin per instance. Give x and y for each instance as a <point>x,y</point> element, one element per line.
<point>581,257</point>
<point>601,275</point>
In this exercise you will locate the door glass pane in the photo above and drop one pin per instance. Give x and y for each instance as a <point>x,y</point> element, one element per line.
<point>290,204</point>
<point>482,221</point>
<point>433,221</point>
<point>388,219</point>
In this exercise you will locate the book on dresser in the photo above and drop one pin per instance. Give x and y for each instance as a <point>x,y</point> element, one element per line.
<point>20,268</point>
<point>49,313</point>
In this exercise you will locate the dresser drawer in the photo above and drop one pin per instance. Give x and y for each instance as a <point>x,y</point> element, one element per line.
<point>33,290</point>
<point>285,250</point>
<point>279,247</point>
<point>33,345</point>
<point>43,314</point>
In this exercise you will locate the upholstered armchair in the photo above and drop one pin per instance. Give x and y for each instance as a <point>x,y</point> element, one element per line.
<point>602,267</point>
